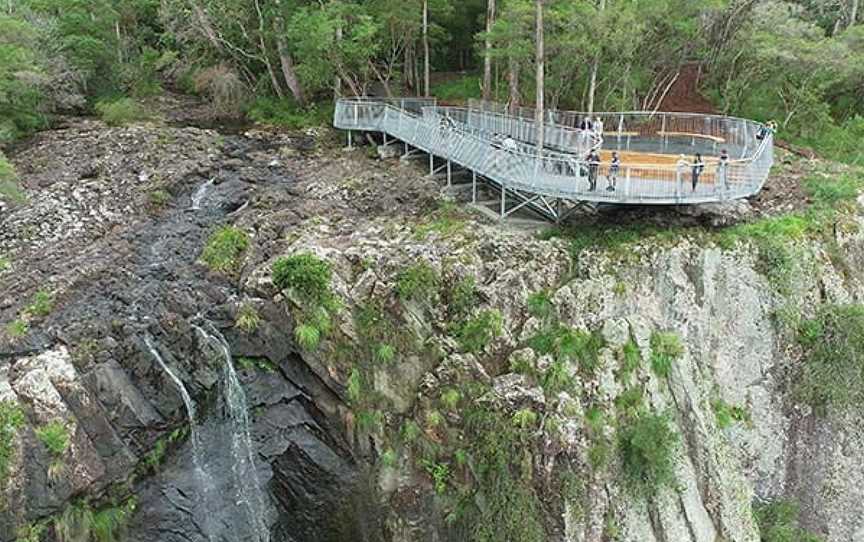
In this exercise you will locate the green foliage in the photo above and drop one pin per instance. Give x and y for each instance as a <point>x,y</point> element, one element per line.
<point>476,333</point>
<point>598,454</point>
<point>369,421</point>
<point>385,354</point>
<point>307,336</point>
<point>665,349</point>
<point>832,191</point>
<point>440,475</point>
<point>11,419</point>
<point>418,282</point>
<point>461,298</point>
<point>389,458</point>
<point>121,111</point>
<point>450,398</point>
<point>832,375</point>
<point>525,419</point>
<point>42,304</point>
<point>159,198</point>
<point>225,248</point>
<point>31,532</point>
<point>458,90</point>
<point>80,522</point>
<point>778,522</point>
<point>55,437</point>
<point>411,431</point>
<point>306,275</point>
<point>647,445</point>
<point>17,328</point>
<point>540,304</point>
<point>726,414</point>
<point>557,378</point>
<point>567,344</point>
<point>779,262</point>
<point>5,264</point>
<point>510,510</point>
<point>247,319</point>
<point>354,386</point>
<point>9,188</point>
<point>285,113</point>
<point>630,359</point>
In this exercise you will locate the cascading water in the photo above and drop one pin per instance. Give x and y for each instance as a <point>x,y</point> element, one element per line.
<point>249,492</point>
<point>199,194</point>
<point>204,481</point>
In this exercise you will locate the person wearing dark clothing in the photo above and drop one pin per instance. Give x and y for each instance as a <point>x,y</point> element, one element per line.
<point>614,168</point>
<point>593,170</point>
<point>586,124</point>
<point>698,167</point>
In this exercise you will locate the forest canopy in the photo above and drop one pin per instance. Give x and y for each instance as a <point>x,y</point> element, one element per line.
<point>798,62</point>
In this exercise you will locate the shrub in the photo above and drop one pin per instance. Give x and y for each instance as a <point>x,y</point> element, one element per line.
<point>459,89</point>
<point>54,436</point>
<point>354,386</point>
<point>9,188</point>
<point>829,192</point>
<point>4,263</point>
<point>525,418</point>
<point>417,283</point>
<point>81,522</point>
<point>224,88</point>
<point>570,344</point>
<point>389,459</point>
<point>17,328</point>
<point>385,353</point>
<point>159,197</point>
<point>647,446</point>
<point>833,371</point>
<point>475,334</point>
<point>631,358</point>
<point>665,348</point>
<point>285,113</point>
<point>778,522</point>
<point>306,275</point>
<point>224,249</point>
<point>307,336</point>
<point>450,398</point>
<point>727,414</point>
<point>120,111</point>
<point>247,319</point>
<point>440,474</point>
<point>462,298</point>
<point>42,305</point>
<point>540,304</point>
<point>556,378</point>
<point>11,419</point>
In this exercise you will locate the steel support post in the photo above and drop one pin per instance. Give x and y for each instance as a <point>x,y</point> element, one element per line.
<point>431,164</point>
<point>449,173</point>
<point>473,187</point>
<point>350,141</point>
<point>503,196</point>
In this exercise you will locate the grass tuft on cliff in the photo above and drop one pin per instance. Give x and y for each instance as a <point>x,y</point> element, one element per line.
<point>648,444</point>
<point>778,522</point>
<point>833,372</point>
<point>11,419</point>
<point>121,111</point>
<point>224,250</point>
<point>306,275</point>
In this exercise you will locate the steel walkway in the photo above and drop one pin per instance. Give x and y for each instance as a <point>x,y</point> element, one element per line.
<point>500,150</point>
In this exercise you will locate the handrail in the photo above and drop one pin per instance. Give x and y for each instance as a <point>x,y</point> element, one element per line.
<point>562,172</point>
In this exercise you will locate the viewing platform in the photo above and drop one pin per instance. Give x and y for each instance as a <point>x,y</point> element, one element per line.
<point>498,147</point>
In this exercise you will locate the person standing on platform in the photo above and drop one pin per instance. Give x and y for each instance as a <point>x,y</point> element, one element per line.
<point>698,168</point>
<point>593,170</point>
<point>614,168</point>
<point>598,127</point>
<point>723,170</point>
<point>681,167</point>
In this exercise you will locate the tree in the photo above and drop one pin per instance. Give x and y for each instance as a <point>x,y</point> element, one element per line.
<point>541,77</point>
<point>487,54</point>
<point>426,62</point>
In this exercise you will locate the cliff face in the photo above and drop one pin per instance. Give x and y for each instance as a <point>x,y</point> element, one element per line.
<point>471,382</point>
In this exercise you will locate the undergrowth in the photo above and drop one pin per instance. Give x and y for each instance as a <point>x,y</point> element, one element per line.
<point>778,522</point>
<point>11,419</point>
<point>225,248</point>
<point>308,277</point>
<point>121,111</point>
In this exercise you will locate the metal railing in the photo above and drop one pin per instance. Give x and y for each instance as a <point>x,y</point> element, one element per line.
<point>471,139</point>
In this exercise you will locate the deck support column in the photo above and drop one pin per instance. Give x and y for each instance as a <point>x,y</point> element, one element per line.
<point>449,173</point>
<point>385,138</point>
<point>431,164</point>
<point>350,141</point>
<point>503,197</point>
<point>474,187</point>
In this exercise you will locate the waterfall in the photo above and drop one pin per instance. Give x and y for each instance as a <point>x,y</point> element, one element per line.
<point>199,194</point>
<point>248,486</point>
<point>201,476</point>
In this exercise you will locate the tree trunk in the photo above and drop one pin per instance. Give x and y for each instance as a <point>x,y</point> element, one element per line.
<point>513,84</point>
<point>487,59</point>
<point>337,82</point>
<point>289,73</point>
<point>853,15</point>
<point>539,112</point>
<point>595,66</point>
<point>426,68</point>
